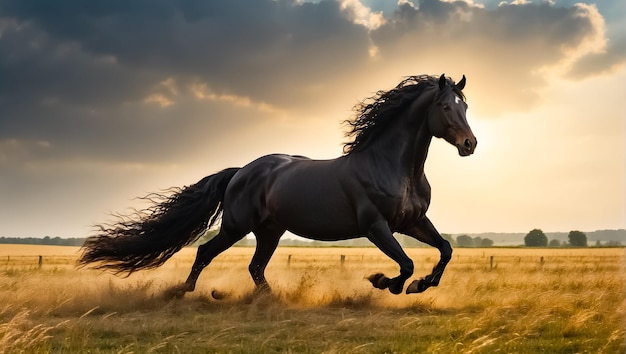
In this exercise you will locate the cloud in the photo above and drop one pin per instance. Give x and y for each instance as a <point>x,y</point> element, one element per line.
<point>362,14</point>
<point>507,52</point>
<point>238,46</point>
<point>603,61</point>
<point>108,78</point>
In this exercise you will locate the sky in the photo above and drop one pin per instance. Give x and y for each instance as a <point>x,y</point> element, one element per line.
<point>105,101</point>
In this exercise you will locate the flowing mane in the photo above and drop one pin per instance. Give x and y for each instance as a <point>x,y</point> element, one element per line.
<point>374,113</point>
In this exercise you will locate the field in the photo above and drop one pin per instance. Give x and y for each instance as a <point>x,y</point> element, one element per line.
<point>490,300</point>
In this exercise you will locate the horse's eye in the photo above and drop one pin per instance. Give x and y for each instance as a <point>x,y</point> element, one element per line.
<point>446,107</point>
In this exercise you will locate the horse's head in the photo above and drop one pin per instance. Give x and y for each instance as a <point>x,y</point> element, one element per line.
<point>446,116</point>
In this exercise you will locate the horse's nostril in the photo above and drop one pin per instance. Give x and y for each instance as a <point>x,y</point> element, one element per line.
<point>468,144</point>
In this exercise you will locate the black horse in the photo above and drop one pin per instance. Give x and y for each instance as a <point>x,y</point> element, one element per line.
<point>376,188</point>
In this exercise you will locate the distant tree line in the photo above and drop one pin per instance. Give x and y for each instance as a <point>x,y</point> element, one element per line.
<point>467,241</point>
<point>405,241</point>
<point>53,241</point>
<point>537,238</point>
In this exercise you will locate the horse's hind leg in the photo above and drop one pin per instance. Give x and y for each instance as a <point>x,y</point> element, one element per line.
<point>206,252</point>
<point>267,237</point>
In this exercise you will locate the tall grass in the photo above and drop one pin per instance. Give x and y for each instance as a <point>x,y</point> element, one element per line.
<point>571,302</point>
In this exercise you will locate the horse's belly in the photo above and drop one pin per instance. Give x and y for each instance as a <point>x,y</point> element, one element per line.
<point>316,221</point>
<point>315,213</point>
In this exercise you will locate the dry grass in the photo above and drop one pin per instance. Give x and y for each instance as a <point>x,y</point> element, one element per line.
<point>573,302</point>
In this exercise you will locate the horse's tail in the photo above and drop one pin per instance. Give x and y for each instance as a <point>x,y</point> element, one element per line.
<point>148,238</point>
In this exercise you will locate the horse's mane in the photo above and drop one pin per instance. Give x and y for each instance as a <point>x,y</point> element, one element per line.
<point>373,114</point>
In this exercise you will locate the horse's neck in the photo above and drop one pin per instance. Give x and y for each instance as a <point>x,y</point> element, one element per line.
<point>403,149</point>
<point>416,151</point>
<point>417,154</point>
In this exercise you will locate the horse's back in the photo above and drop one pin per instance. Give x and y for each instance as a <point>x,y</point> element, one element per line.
<point>299,194</point>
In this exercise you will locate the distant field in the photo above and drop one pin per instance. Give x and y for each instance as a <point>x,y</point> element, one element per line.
<point>35,250</point>
<point>519,301</point>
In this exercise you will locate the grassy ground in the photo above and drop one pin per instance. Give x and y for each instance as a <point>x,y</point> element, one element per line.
<point>571,302</point>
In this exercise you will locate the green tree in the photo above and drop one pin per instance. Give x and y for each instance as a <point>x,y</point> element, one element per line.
<point>536,238</point>
<point>554,243</point>
<point>486,242</point>
<point>477,241</point>
<point>577,239</point>
<point>465,241</point>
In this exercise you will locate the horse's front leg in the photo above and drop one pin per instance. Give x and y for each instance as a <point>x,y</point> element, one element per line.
<point>425,231</point>
<point>380,235</point>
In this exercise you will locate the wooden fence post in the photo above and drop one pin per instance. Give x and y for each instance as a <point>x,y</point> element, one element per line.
<point>491,263</point>
<point>289,261</point>
<point>343,259</point>
<point>40,261</point>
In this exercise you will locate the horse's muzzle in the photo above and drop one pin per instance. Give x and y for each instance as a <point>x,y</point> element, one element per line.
<point>467,147</point>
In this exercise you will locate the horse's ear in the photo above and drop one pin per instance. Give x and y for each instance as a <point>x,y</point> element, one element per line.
<point>461,84</point>
<point>442,81</point>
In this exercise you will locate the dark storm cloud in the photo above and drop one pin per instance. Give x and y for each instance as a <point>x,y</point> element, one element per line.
<point>238,46</point>
<point>77,75</point>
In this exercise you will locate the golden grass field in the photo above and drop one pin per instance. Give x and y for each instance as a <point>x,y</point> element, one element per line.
<point>572,303</point>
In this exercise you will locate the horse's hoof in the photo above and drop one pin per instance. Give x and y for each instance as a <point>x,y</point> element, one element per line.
<point>395,290</point>
<point>379,281</point>
<point>417,286</point>
<point>219,295</point>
